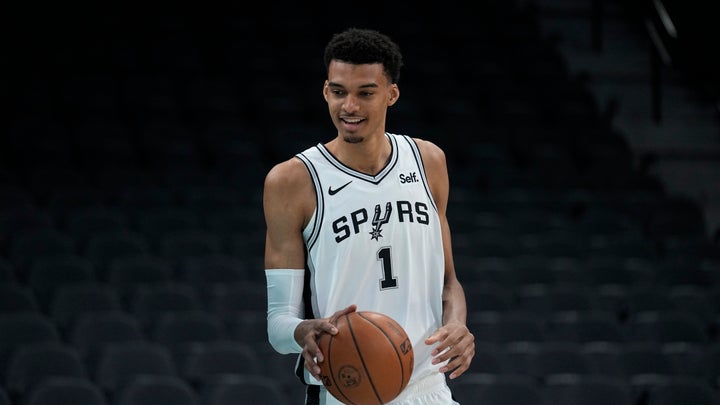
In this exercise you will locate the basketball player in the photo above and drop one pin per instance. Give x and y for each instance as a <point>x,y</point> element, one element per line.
<point>358,223</point>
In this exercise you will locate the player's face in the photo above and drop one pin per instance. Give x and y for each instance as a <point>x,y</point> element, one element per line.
<point>358,97</point>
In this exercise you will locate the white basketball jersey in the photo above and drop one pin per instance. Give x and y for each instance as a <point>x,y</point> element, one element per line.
<point>376,241</point>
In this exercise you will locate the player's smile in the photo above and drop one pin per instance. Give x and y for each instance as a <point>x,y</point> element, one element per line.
<point>352,124</point>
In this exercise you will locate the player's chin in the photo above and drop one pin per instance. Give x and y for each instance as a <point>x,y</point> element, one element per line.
<point>352,138</point>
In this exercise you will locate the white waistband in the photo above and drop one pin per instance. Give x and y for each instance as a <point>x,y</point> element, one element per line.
<point>424,385</point>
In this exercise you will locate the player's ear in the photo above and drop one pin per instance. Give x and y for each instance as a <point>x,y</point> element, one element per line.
<point>325,90</point>
<point>394,95</point>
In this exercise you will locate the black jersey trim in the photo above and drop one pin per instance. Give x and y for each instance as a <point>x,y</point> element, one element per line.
<point>319,200</point>
<point>376,179</point>
<point>421,168</point>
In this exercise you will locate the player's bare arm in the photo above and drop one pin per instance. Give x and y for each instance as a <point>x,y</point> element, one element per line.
<point>289,201</point>
<point>455,342</point>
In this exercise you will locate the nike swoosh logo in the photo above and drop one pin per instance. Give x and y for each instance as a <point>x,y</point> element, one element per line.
<point>332,191</point>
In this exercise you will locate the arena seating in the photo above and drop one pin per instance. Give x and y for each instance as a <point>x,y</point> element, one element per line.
<point>131,228</point>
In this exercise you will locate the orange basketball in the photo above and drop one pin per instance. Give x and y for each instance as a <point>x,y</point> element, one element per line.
<point>369,361</point>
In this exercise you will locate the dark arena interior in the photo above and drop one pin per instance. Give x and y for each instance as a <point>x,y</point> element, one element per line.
<point>583,146</point>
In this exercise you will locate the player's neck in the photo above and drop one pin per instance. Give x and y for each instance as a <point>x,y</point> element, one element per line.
<point>369,156</point>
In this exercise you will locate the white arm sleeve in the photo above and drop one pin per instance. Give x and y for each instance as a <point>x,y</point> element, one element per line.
<point>284,313</point>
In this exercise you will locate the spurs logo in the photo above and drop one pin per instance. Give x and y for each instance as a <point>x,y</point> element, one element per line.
<point>379,222</point>
<point>399,212</point>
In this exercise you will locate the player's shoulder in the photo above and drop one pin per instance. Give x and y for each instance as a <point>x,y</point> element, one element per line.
<point>429,150</point>
<point>285,174</point>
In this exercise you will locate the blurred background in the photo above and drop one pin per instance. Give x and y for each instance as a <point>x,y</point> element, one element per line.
<point>583,143</point>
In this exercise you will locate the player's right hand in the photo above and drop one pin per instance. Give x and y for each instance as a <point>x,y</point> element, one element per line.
<point>309,331</point>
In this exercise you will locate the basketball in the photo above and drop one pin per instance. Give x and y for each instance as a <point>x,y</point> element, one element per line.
<point>369,361</point>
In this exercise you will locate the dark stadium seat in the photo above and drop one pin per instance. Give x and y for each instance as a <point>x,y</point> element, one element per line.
<point>646,365</point>
<point>150,301</point>
<point>488,359</point>
<point>693,299</point>
<point>553,358</point>
<point>693,360</point>
<point>649,298</point>
<point>32,245</point>
<point>213,270</point>
<point>7,271</point>
<point>249,327</point>
<point>628,244</point>
<point>92,331</point>
<point>23,221</point>
<point>4,398</point>
<point>135,199</point>
<point>171,220</point>
<point>683,271</point>
<point>477,269</point>
<point>104,143</point>
<point>253,388</point>
<point>684,391</point>
<point>668,327</point>
<point>46,275</point>
<point>180,331</point>
<point>531,268</point>
<point>158,390</point>
<point>33,363</point>
<point>119,363</point>
<point>205,362</point>
<point>612,269</point>
<point>128,273</point>
<point>18,329</point>
<point>189,244</point>
<point>587,390</point>
<point>507,327</point>
<point>212,198</point>
<point>498,389</point>
<point>604,357</point>
<point>543,299</point>
<point>231,221</point>
<point>229,299</point>
<point>488,296</point>
<point>15,297</point>
<point>83,224</point>
<point>75,299</point>
<point>65,390</point>
<point>14,197</point>
<point>73,198</point>
<point>104,247</point>
<point>552,242</point>
<point>585,326</point>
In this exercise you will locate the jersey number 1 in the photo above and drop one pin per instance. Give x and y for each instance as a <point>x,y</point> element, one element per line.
<point>388,280</point>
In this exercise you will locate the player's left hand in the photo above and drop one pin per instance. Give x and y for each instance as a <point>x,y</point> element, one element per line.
<point>455,343</point>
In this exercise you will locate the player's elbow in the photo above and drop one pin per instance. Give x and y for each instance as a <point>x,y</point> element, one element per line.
<point>279,344</point>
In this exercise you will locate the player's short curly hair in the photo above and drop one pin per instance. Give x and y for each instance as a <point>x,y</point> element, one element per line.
<point>360,46</point>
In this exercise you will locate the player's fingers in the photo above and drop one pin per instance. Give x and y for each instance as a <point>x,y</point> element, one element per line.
<point>344,311</point>
<point>444,339</point>
<point>438,336</point>
<point>461,356</point>
<point>458,365</point>
<point>310,362</point>
<point>453,344</point>
<point>330,327</point>
<point>441,352</point>
<point>324,326</point>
